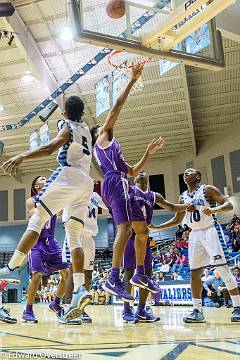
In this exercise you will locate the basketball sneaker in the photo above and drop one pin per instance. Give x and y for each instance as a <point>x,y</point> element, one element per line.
<point>81,298</point>
<point>195,316</point>
<point>6,317</point>
<point>117,289</point>
<point>62,319</point>
<point>29,316</point>
<point>53,307</point>
<point>10,276</point>
<point>129,316</point>
<point>147,315</point>
<point>236,314</point>
<point>144,282</point>
<point>86,319</point>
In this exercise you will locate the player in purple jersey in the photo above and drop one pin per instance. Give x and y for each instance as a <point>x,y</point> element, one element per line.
<point>44,257</point>
<point>146,200</point>
<point>118,195</point>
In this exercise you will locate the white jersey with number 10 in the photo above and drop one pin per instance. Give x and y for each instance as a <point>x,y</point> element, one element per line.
<point>197,220</point>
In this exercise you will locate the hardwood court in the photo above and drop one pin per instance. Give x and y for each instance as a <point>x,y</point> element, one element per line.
<point>108,338</point>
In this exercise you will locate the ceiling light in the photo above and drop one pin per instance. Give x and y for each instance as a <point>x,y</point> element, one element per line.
<point>1,108</point>
<point>28,77</point>
<point>66,34</point>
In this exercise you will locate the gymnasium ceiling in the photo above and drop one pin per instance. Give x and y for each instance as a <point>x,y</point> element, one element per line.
<point>185,106</point>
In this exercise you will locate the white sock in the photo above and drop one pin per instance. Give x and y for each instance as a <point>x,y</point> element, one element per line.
<point>78,280</point>
<point>197,304</point>
<point>17,259</point>
<point>235,300</point>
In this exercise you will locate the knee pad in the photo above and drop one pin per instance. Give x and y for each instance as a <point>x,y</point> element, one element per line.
<point>227,277</point>
<point>38,219</point>
<point>73,229</point>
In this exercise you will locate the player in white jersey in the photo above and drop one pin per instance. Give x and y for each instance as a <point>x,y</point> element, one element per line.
<point>88,245</point>
<point>69,188</point>
<point>206,244</point>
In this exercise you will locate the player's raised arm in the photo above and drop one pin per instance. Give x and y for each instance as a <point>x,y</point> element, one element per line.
<point>11,166</point>
<point>214,195</point>
<point>107,127</point>
<point>151,149</point>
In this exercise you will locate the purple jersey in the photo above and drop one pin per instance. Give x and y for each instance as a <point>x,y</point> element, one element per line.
<point>146,201</point>
<point>47,241</point>
<point>110,158</point>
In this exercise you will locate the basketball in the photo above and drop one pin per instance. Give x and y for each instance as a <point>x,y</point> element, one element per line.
<point>116,9</point>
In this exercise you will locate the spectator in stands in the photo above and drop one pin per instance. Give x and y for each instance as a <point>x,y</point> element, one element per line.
<point>236,241</point>
<point>172,257</point>
<point>181,262</point>
<point>235,218</point>
<point>161,258</point>
<point>176,276</point>
<point>179,244</point>
<point>217,291</point>
<point>160,276</point>
<point>185,239</point>
<point>172,246</point>
<point>236,273</point>
<point>206,275</point>
<point>165,268</point>
<point>233,228</point>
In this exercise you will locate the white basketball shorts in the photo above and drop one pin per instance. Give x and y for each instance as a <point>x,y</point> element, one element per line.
<point>207,247</point>
<point>67,189</point>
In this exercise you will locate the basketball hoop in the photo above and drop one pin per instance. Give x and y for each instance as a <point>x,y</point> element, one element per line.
<point>122,64</point>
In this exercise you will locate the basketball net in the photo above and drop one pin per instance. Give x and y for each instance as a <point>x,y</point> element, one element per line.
<point>122,63</point>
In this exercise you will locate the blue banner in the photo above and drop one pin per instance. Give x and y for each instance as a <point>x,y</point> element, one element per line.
<point>102,96</point>
<point>178,293</point>
<point>33,140</point>
<point>44,134</point>
<point>198,41</point>
<point>119,83</point>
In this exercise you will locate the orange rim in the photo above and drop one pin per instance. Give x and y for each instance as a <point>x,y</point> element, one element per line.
<point>121,66</point>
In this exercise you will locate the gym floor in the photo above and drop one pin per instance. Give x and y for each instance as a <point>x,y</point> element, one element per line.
<point>108,338</point>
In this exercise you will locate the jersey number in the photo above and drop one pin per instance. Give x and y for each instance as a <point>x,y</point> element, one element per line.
<point>92,214</point>
<point>195,216</point>
<point>85,146</point>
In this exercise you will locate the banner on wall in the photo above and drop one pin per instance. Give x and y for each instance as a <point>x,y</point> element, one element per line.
<point>119,82</point>
<point>199,40</point>
<point>174,293</point>
<point>102,96</point>
<point>44,134</point>
<point>33,140</point>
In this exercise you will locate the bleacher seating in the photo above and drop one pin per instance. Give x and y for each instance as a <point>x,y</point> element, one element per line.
<point>5,257</point>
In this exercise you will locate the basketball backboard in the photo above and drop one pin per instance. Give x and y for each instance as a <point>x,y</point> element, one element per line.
<point>174,30</point>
